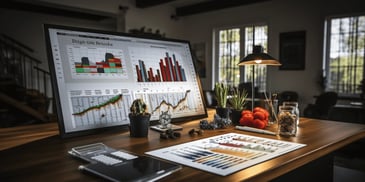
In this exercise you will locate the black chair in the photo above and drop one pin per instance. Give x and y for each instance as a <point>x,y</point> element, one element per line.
<point>344,115</point>
<point>347,114</point>
<point>210,100</point>
<point>247,86</point>
<point>287,96</point>
<point>322,106</point>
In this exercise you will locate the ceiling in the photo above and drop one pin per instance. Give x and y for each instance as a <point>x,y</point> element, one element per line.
<point>182,7</point>
<point>190,7</point>
<point>54,9</point>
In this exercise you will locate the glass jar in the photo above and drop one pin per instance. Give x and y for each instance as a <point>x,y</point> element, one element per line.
<point>294,104</point>
<point>287,121</point>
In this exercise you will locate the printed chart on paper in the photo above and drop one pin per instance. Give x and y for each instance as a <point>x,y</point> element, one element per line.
<point>226,154</point>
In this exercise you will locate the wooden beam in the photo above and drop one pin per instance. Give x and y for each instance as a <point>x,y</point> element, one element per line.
<point>212,5</point>
<point>150,3</point>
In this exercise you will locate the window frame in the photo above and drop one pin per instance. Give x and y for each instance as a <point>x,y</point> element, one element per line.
<point>216,41</point>
<point>327,57</point>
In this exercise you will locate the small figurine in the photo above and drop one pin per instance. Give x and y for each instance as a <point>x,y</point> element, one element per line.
<point>165,119</point>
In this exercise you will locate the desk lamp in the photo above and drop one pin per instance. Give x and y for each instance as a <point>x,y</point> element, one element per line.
<point>257,57</point>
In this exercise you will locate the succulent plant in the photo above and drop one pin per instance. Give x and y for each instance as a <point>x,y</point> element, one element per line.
<point>238,99</point>
<point>138,107</point>
<point>221,92</point>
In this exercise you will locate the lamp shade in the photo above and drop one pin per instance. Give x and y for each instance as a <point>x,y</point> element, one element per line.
<point>259,57</point>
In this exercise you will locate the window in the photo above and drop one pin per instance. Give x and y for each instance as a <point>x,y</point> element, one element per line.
<point>255,35</point>
<point>344,58</point>
<point>235,43</point>
<point>229,56</point>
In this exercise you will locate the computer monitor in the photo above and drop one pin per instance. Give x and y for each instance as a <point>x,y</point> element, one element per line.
<point>97,74</point>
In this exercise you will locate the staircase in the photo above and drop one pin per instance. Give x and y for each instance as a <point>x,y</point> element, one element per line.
<point>25,89</point>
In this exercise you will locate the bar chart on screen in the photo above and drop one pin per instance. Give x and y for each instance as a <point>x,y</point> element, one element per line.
<point>169,70</point>
<point>96,62</point>
<point>160,65</point>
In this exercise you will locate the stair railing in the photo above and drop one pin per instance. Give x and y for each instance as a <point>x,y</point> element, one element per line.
<point>17,66</point>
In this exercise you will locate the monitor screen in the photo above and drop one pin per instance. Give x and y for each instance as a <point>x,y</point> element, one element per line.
<point>96,75</point>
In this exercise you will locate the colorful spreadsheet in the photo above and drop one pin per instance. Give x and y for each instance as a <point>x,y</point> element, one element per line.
<point>225,154</point>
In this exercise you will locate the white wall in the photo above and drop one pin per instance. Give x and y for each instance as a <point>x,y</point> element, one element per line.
<point>281,16</point>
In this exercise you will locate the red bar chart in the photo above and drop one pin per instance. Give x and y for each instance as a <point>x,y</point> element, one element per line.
<point>168,69</point>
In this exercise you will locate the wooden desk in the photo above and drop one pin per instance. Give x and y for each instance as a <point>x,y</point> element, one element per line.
<point>46,159</point>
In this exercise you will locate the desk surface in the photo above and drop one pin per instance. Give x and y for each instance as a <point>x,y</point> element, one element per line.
<point>46,157</point>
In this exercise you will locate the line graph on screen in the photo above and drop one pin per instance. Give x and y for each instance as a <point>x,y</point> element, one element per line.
<point>176,103</point>
<point>98,110</point>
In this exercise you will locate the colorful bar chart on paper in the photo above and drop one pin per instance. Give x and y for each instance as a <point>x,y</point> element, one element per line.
<point>169,70</point>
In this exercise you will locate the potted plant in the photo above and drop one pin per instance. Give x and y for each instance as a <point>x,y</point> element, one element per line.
<point>237,102</point>
<point>221,93</point>
<point>139,119</point>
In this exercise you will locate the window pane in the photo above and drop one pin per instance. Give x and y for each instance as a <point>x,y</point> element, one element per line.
<point>229,54</point>
<point>256,35</point>
<point>345,65</point>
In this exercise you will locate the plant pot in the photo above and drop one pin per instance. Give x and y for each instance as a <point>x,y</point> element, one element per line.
<point>222,112</point>
<point>236,116</point>
<point>139,125</point>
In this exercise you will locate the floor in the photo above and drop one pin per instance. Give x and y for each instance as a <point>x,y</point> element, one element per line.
<point>346,174</point>
<point>349,163</point>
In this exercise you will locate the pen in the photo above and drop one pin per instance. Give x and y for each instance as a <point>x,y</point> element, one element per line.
<point>246,128</point>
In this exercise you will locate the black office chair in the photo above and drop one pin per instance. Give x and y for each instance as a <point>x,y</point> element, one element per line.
<point>210,100</point>
<point>346,114</point>
<point>287,96</point>
<point>322,106</point>
<point>247,86</point>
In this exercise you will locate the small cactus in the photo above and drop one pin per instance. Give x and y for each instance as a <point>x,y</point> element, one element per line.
<point>139,119</point>
<point>138,107</point>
